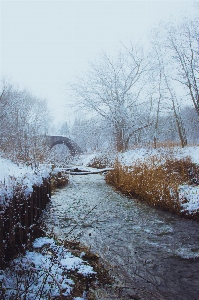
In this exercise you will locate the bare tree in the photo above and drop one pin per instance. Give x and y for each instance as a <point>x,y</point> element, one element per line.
<point>112,90</point>
<point>191,125</point>
<point>156,90</point>
<point>184,42</point>
<point>177,114</point>
<point>24,120</point>
<point>5,89</point>
<point>164,90</point>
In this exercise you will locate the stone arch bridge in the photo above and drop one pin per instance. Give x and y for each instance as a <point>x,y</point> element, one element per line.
<point>62,140</point>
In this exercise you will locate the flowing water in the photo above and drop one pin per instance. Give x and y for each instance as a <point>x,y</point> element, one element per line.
<point>154,254</point>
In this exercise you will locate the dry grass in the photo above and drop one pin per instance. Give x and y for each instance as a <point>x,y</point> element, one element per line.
<point>153,181</point>
<point>58,180</point>
<point>100,162</point>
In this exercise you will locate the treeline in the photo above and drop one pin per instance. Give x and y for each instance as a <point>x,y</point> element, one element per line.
<point>145,94</point>
<point>24,122</point>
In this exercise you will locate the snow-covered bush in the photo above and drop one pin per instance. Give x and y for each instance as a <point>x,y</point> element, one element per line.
<point>101,161</point>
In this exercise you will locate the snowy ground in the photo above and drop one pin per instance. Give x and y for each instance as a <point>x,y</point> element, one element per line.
<point>13,175</point>
<point>39,273</point>
<point>130,156</point>
<point>47,270</point>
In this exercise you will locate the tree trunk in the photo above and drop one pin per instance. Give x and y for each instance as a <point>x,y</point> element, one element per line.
<point>119,141</point>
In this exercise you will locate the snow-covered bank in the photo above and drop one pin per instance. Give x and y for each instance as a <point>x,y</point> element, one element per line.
<point>130,156</point>
<point>188,195</point>
<point>49,270</point>
<point>189,199</point>
<point>13,176</point>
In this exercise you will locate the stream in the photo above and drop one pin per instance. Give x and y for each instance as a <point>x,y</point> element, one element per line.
<point>153,254</point>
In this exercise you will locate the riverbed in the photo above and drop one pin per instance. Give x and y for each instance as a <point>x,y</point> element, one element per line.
<point>153,254</point>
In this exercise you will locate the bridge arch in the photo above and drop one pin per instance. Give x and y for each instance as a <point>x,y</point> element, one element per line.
<point>62,140</point>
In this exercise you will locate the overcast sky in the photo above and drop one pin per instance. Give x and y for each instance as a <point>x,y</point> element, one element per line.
<point>45,44</point>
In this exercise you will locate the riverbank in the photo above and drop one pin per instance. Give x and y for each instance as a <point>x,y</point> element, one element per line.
<point>24,193</point>
<point>21,178</point>
<point>169,184</point>
<point>139,242</point>
<point>166,178</point>
<point>45,266</point>
<point>62,270</point>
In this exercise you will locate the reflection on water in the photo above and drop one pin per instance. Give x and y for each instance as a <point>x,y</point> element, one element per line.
<point>151,250</point>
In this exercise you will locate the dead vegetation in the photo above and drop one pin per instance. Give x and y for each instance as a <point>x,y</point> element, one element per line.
<point>58,180</point>
<point>155,180</point>
<point>101,162</point>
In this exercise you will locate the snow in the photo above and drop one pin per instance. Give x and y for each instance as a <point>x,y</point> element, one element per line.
<point>189,197</point>
<point>36,271</point>
<point>129,157</point>
<point>39,243</point>
<point>13,175</point>
<point>85,159</point>
<point>193,152</point>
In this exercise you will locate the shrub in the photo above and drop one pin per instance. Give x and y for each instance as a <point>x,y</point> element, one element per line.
<point>58,180</point>
<point>100,162</point>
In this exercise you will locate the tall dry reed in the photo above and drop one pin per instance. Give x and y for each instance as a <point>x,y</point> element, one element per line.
<point>154,180</point>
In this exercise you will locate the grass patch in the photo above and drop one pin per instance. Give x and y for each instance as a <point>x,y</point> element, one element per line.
<point>155,180</point>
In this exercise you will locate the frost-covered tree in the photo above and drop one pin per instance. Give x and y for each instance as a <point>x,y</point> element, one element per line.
<point>65,130</point>
<point>5,88</point>
<point>191,122</point>
<point>24,121</point>
<point>165,96</point>
<point>183,40</point>
<point>92,134</point>
<point>113,90</point>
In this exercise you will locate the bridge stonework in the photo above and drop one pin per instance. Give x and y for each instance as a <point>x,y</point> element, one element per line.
<point>62,140</point>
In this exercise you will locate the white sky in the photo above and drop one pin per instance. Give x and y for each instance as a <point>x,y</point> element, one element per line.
<point>45,44</point>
